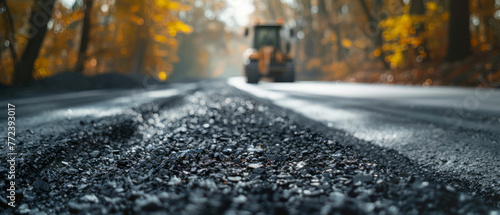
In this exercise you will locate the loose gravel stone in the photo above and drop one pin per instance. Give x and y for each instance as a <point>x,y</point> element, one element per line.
<point>91,198</point>
<point>362,178</point>
<point>95,153</point>
<point>255,165</point>
<point>234,179</point>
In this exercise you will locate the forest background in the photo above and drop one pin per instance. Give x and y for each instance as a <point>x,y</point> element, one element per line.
<point>417,42</point>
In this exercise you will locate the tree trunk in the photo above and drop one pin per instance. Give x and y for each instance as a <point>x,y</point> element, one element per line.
<point>417,8</point>
<point>377,37</point>
<point>140,50</point>
<point>272,10</point>
<point>40,16</point>
<point>485,9</point>
<point>341,52</point>
<point>141,43</point>
<point>458,31</point>
<point>82,54</point>
<point>335,27</point>
<point>323,21</point>
<point>312,37</point>
<point>9,31</point>
<point>2,4</point>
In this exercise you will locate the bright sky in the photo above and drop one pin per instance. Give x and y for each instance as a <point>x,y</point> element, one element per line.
<point>237,13</point>
<point>67,3</point>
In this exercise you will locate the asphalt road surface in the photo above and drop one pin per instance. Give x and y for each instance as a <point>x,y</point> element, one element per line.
<point>225,147</point>
<point>451,130</point>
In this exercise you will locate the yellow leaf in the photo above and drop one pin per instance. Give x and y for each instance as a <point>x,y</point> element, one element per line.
<point>177,26</point>
<point>171,5</point>
<point>158,18</point>
<point>347,43</point>
<point>314,63</point>
<point>162,75</point>
<point>134,9</point>
<point>160,38</point>
<point>431,5</point>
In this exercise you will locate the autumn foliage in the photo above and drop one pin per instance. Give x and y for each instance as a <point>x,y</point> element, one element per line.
<point>394,41</point>
<point>420,42</point>
<point>124,36</point>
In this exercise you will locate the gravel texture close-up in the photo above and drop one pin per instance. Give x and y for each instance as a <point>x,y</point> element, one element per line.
<point>218,150</point>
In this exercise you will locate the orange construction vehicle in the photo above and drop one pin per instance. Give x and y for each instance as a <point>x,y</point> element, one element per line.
<point>270,54</point>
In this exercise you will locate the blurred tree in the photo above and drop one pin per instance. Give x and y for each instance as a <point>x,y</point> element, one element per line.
<point>333,26</point>
<point>273,6</point>
<point>91,36</point>
<point>483,22</point>
<point>201,51</point>
<point>459,40</point>
<point>84,41</point>
<point>9,31</point>
<point>418,9</point>
<point>41,13</point>
<point>374,31</point>
<point>336,39</point>
<point>312,46</point>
